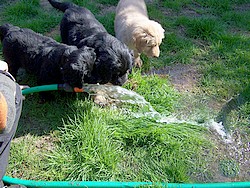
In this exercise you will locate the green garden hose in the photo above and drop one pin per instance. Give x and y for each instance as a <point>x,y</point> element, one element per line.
<point>106,184</point>
<point>52,87</point>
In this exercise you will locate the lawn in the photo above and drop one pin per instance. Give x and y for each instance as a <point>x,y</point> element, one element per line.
<point>198,85</point>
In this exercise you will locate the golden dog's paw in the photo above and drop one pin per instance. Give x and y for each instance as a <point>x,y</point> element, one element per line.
<point>138,62</point>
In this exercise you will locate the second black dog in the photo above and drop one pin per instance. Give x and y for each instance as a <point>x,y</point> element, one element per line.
<point>80,27</point>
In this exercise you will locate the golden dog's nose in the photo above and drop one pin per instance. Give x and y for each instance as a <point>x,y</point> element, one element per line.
<point>156,52</point>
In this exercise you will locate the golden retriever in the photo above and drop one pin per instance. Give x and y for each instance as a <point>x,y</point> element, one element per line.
<point>136,30</point>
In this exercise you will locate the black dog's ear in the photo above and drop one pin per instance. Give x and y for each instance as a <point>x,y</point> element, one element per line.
<point>66,54</point>
<point>87,53</point>
<point>95,41</point>
<point>88,41</point>
<point>78,65</point>
<point>126,59</point>
<point>87,56</point>
<point>82,59</point>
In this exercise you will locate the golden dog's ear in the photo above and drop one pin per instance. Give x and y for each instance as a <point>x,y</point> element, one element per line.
<point>150,40</point>
<point>155,31</point>
<point>160,35</point>
<point>138,33</point>
<point>141,39</point>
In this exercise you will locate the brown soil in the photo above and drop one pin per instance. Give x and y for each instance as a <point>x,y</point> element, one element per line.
<point>184,77</point>
<point>45,4</point>
<point>242,8</point>
<point>54,32</point>
<point>44,144</point>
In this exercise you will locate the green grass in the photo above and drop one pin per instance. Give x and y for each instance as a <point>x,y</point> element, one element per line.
<point>102,144</point>
<point>176,5</point>
<point>29,14</point>
<point>108,21</point>
<point>229,57</point>
<point>156,90</point>
<point>71,138</point>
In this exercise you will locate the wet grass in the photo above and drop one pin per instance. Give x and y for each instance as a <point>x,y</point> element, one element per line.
<point>71,138</point>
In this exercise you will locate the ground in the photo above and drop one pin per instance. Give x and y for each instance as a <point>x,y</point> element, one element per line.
<point>184,77</point>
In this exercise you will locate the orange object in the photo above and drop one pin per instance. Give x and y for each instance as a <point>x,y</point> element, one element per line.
<point>78,90</point>
<point>3,112</point>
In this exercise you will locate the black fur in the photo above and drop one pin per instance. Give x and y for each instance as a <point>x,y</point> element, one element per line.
<point>50,61</point>
<point>80,27</point>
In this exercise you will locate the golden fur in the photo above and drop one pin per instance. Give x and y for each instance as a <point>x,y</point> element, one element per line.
<point>136,30</point>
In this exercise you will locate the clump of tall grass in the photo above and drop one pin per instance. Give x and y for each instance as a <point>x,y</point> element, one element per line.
<point>87,145</point>
<point>99,144</point>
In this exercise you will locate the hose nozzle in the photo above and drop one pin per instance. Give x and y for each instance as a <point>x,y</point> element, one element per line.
<point>68,88</point>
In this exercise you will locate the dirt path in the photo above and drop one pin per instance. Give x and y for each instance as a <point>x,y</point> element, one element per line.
<point>183,77</point>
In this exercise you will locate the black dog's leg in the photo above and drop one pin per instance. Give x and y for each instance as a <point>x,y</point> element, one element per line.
<point>13,63</point>
<point>13,69</point>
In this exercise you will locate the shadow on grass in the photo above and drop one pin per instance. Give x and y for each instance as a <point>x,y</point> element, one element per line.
<point>41,119</point>
<point>234,104</point>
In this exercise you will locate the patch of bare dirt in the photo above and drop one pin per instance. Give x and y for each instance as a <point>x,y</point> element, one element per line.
<point>46,142</point>
<point>54,32</point>
<point>185,11</point>
<point>45,4</point>
<point>242,8</point>
<point>184,77</point>
<point>190,13</point>
<point>106,9</point>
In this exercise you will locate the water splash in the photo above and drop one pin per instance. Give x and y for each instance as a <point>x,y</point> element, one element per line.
<point>117,95</point>
<point>219,128</point>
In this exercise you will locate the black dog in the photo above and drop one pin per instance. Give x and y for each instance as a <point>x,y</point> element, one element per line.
<point>80,27</point>
<point>50,61</point>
